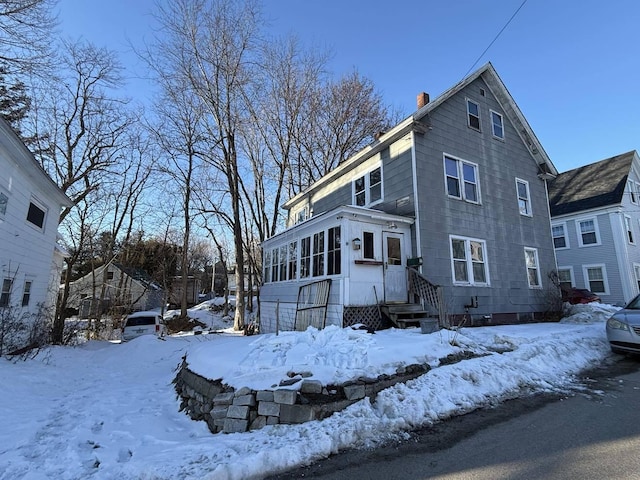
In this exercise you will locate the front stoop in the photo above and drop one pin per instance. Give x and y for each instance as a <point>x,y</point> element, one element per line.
<point>404,315</point>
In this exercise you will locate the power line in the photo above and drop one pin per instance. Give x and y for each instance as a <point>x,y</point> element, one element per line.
<point>495,38</point>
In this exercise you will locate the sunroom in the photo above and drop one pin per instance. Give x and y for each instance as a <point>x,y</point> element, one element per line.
<point>336,268</point>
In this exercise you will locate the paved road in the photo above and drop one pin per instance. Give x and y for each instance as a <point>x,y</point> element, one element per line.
<point>592,434</point>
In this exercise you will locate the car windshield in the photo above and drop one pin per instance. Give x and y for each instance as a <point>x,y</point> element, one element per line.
<point>138,321</point>
<point>634,304</point>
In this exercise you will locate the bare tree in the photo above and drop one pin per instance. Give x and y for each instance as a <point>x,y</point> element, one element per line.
<point>179,135</point>
<point>212,45</point>
<point>341,118</point>
<point>87,125</point>
<point>25,34</point>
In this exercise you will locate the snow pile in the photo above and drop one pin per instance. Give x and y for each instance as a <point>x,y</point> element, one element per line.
<point>332,355</point>
<point>106,410</point>
<point>589,313</point>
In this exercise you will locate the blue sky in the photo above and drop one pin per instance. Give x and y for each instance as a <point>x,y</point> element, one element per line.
<point>572,67</point>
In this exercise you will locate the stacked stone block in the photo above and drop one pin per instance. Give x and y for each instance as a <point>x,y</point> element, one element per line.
<point>228,410</point>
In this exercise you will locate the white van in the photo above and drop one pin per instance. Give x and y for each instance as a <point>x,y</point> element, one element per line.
<point>143,323</point>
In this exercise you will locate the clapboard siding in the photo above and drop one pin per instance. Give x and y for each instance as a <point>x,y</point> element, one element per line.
<point>496,220</point>
<point>27,252</point>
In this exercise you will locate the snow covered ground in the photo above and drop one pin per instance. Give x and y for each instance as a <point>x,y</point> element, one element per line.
<point>106,410</point>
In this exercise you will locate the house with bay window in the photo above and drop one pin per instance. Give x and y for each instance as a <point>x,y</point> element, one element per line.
<point>444,216</point>
<point>595,213</point>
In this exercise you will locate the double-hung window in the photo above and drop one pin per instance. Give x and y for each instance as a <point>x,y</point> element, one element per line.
<point>497,125</point>
<point>596,278</point>
<point>565,277</point>
<point>533,269</point>
<point>282,266</point>
<point>5,295</point>
<point>461,179</point>
<point>468,261</point>
<point>318,254</point>
<point>293,261</point>
<point>26,294</point>
<point>559,234</point>
<point>267,266</point>
<point>588,232</point>
<point>333,251</point>
<point>305,257</point>
<point>367,189</point>
<point>632,191</point>
<point>524,198</point>
<point>636,270</point>
<point>627,224</point>
<point>473,115</point>
<point>274,264</point>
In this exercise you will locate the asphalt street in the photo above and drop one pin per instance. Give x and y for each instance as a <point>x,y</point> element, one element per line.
<point>592,432</point>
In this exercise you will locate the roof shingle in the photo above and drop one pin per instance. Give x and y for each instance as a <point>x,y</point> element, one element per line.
<point>595,185</point>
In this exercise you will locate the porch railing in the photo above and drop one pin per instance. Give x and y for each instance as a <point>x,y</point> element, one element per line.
<point>428,293</point>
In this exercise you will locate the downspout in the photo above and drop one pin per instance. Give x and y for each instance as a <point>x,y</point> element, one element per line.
<point>414,174</point>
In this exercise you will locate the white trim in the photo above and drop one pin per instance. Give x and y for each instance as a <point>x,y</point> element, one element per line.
<point>529,212</point>
<point>605,280</point>
<point>635,276</point>
<point>460,162</point>
<point>469,262</point>
<point>467,100</point>
<point>491,114</point>
<point>414,177</point>
<point>40,205</point>
<point>596,230</point>
<point>633,191</point>
<point>571,274</point>
<point>566,235</point>
<point>628,227</point>
<point>537,267</point>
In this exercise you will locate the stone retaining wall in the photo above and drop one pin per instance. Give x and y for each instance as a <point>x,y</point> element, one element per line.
<point>228,410</point>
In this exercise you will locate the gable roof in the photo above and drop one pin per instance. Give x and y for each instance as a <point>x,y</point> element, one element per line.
<point>595,185</point>
<point>413,122</point>
<point>17,153</point>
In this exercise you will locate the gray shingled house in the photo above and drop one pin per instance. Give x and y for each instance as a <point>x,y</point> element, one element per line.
<point>595,213</point>
<point>444,216</point>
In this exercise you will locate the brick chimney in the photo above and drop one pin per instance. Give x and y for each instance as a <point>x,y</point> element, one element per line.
<point>423,99</point>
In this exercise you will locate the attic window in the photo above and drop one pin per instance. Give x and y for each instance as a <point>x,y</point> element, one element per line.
<point>35,215</point>
<point>473,115</point>
<point>482,93</point>
<point>497,125</point>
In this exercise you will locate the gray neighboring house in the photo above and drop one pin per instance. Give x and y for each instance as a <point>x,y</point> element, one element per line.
<point>446,211</point>
<point>595,212</point>
<point>114,285</point>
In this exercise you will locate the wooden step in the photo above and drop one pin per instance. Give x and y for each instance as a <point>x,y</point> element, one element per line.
<point>404,315</point>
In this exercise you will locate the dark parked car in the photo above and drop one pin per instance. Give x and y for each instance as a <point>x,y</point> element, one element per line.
<point>578,295</point>
<point>623,328</point>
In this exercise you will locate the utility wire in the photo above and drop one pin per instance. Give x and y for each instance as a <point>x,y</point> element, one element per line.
<point>495,38</point>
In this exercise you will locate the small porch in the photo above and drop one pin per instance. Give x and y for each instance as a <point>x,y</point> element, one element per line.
<point>349,266</point>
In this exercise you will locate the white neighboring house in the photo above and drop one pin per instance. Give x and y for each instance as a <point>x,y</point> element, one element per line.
<point>30,206</point>
<point>595,218</point>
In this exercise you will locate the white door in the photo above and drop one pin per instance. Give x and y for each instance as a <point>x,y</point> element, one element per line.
<point>395,275</point>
